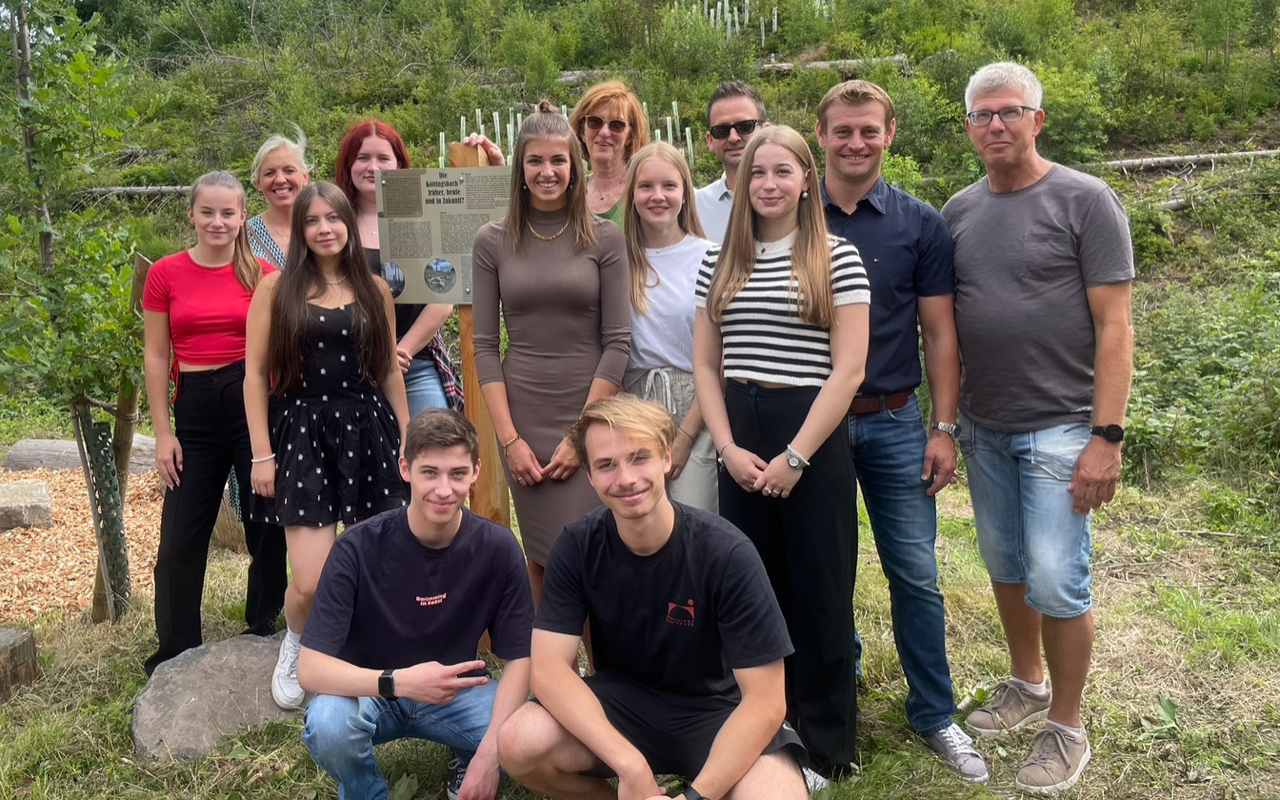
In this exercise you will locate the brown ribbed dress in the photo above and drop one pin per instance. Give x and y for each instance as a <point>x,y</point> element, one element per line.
<point>568,319</point>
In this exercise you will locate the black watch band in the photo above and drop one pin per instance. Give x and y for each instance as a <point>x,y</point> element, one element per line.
<point>1110,433</point>
<point>387,685</point>
<point>691,793</point>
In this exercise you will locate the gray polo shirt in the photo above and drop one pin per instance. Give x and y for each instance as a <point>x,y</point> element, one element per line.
<point>1024,261</point>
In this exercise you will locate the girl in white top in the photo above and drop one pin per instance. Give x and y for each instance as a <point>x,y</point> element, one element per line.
<point>664,249</point>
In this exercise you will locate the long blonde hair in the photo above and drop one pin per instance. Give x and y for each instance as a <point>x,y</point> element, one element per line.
<point>810,253</point>
<point>641,271</point>
<point>548,123</point>
<point>245,264</point>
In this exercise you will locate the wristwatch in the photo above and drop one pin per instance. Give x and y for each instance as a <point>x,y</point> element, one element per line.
<point>1111,433</point>
<point>794,460</point>
<point>949,428</point>
<point>691,793</point>
<point>387,685</point>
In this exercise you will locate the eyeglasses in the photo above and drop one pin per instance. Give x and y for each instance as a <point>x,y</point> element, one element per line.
<point>615,125</point>
<point>744,128</point>
<point>1010,115</point>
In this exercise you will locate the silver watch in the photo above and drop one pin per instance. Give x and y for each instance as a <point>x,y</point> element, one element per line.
<point>949,428</point>
<point>794,459</point>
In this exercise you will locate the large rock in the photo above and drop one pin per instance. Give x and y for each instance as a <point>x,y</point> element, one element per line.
<point>194,700</point>
<point>25,504</point>
<point>18,665</point>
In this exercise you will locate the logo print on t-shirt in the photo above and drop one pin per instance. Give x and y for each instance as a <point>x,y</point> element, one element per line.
<point>432,600</point>
<point>681,615</point>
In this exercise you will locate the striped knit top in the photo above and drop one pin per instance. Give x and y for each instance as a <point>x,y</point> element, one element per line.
<point>763,337</point>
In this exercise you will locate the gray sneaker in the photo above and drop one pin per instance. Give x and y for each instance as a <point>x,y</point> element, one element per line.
<point>956,750</point>
<point>1055,764</point>
<point>1011,709</point>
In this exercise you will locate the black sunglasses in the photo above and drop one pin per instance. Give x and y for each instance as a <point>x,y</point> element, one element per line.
<point>615,125</point>
<point>744,128</point>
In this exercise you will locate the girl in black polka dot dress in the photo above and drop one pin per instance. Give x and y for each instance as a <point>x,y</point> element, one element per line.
<point>320,336</point>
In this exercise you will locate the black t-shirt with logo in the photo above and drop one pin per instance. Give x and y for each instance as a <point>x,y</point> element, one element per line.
<point>387,601</point>
<point>679,620</point>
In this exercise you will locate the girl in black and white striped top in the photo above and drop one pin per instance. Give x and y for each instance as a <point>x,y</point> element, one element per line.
<point>780,344</point>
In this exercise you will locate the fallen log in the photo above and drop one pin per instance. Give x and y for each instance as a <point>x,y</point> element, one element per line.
<point>59,454</point>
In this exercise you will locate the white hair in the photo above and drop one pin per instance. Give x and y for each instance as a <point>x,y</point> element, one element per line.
<point>1004,75</point>
<point>298,149</point>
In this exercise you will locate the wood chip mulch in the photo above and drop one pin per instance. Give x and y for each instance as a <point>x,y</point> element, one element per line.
<point>50,569</point>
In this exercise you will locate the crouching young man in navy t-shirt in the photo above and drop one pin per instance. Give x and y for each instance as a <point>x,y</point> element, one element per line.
<point>390,646</point>
<point>687,639</point>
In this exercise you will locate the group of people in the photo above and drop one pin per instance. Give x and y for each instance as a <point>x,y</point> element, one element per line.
<point>687,404</point>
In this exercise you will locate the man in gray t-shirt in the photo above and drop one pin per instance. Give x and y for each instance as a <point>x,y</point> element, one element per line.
<point>1044,271</point>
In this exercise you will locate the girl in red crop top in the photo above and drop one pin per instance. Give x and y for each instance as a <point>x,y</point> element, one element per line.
<point>194,308</point>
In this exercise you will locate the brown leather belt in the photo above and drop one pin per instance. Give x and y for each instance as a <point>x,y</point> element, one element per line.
<point>874,403</point>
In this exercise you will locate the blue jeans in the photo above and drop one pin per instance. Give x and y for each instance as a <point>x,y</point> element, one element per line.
<point>1028,529</point>
<point>422,387</point>
<point>340,733</point>
<point>888,452</point>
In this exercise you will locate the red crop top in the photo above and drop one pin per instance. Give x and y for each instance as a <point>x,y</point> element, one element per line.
<point>207,308</point>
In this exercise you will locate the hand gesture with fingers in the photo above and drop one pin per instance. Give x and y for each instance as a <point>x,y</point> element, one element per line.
<point>436,683</point>
<point>523,464</point>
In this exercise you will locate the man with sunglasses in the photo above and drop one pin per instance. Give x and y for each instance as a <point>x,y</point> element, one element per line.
<point>901,466</point>
<point>734,114</point>
<point>1044,273</point>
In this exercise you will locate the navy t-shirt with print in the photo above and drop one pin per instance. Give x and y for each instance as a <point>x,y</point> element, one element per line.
<point>387,601</point>
<point>680,620</point>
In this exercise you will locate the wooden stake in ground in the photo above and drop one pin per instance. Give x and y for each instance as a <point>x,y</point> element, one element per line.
<point>490,497</point>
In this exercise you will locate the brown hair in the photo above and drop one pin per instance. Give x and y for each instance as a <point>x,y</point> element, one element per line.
<point>732,89</point>
<point>302,278</point>
<point>243,262</point>
<point>641,271</point>
<point>855,93</point>
<point>440,429</point>
<point>628,415</point>
<point>548,123</point>
<point>628,104</point>
<point>810,254</point>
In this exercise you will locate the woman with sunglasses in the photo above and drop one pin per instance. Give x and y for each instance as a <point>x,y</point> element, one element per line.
<point>557,276</point>
<point>611,125</point>
<point>780,345</point>
<point>664,250</point>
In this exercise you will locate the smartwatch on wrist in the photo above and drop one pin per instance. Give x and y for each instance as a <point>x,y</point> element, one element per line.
<point>1110,433</point>
<point>387,685</point>
<point>691,793</point>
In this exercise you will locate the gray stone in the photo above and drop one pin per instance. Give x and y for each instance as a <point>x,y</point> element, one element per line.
<point>197,698</point>
<point>25,504</point>
<point>18,665</point>
<point>63,454</point>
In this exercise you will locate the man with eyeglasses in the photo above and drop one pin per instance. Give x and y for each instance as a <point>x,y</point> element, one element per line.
<point>900,466</point>
<point>734,113</point>
<point>1044,272</point>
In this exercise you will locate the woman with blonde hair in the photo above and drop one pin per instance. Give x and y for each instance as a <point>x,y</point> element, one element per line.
<point>665,247</point>
<point>611,125</point>
<point>280,171</point>
<point>780,346</point>
<point>557,276</point>
<point>321,342</point>
<point>194,309</point>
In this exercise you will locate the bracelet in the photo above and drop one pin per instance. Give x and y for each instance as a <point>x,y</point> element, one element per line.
<point>262,460</point>
<point>686,433</point>
<point>515,439</point>
<point>727,444</point>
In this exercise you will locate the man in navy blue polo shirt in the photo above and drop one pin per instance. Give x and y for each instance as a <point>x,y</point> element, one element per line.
<point>900,466</point>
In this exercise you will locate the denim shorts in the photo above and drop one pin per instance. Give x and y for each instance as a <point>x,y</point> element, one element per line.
<point>1028,531</point>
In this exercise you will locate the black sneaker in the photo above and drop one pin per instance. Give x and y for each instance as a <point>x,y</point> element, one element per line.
<point>458,763</point>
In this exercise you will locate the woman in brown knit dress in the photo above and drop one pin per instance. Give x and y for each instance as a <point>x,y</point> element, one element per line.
<point>559,277</point>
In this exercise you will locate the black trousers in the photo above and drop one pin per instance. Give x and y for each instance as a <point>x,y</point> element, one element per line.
<point>210,424</point>
<point>809,545</point>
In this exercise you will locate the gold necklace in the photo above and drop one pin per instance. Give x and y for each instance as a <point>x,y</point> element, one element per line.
<point>551,238</point>
<point>338,282</point>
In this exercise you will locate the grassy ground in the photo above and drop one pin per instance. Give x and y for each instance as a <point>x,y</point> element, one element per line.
<point>1187,618</point>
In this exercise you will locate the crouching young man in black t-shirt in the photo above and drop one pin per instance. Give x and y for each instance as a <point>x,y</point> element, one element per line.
<point>390,646</point>
<point>686,635</point>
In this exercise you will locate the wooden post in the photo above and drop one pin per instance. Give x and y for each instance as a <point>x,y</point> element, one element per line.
<point>490,497</point>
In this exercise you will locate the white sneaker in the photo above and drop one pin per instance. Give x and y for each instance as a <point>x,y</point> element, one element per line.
<point>815,783</point>
<point>955,748</point>
<point>284,679</point>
